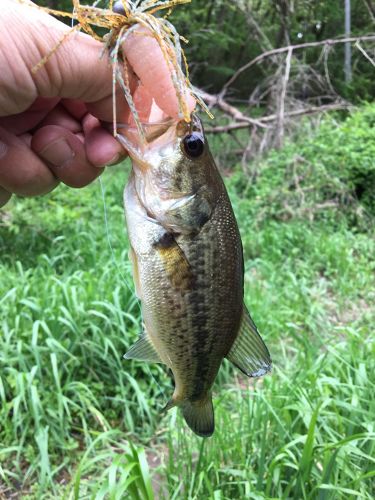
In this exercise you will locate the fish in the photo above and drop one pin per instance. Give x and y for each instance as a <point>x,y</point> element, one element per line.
<point>188,268</point>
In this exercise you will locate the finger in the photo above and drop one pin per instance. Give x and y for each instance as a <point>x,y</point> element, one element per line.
<point>30,118</point>
<point>147,60</point>
<point>5,196</point>
<point>21,171</point>
<point>26,138</point>
<point>101,147</point>
<point>75,108</point>
<point>65,155</point>
<point>59,116</point>
<point>32,34</point>
<point>103,108</point>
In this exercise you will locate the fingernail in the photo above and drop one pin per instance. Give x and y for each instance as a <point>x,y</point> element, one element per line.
<point>3,149</point>
<point>58,153</point>
<point>114,160</point>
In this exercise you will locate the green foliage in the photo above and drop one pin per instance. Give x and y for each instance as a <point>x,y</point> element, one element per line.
<point>328,174</point>
<point>77,421</point>
<point>302,433</point>
<point>225,35</point>
<point>127,473</point>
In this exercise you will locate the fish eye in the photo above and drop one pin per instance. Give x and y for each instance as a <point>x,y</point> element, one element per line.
<point>193,145</point>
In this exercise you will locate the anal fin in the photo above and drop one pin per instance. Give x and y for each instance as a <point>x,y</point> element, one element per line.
<point>143,350</point>
<point>249,353</point>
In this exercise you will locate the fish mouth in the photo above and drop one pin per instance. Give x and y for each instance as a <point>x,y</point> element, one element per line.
<point>151,131</point>
<point>156,135</point>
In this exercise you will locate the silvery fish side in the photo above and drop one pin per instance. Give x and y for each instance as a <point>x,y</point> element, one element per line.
<point>188,269</point>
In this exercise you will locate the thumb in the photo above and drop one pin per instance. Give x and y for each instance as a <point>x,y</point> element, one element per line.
<point>74,69</point>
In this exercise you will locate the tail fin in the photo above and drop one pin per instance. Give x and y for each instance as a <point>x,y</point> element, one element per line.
<point>199,416</point>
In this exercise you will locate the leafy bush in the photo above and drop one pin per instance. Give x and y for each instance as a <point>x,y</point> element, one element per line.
<point>327,174</point>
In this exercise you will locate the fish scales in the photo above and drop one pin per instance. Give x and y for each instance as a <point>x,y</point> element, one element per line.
<point>188,268</point>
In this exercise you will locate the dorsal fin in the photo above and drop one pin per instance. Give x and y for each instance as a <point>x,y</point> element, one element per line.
<point>143,350</point>
<point>249,353</point>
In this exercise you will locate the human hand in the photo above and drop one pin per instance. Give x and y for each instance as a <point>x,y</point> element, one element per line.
<point>47,133</point>
<point>55,125</point>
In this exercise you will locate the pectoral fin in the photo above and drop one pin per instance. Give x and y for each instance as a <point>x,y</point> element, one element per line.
<point>249,353</point>
<point>175,263</point>
<point>143,350</point>
<point>137,282</point>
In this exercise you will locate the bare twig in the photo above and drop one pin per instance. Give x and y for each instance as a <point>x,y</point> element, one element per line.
<point>281,111</point>
<point>215,100</point>
<point>271,118</point>
<point>326,51</point>
<point>371,9</point>
<point>361,49</point>
<point>246,152</point>
<point>288,92</point>
<point>257,32</point>
<point>281,50</point>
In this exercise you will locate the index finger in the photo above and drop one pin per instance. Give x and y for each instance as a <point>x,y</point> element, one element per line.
<point>148,62</point>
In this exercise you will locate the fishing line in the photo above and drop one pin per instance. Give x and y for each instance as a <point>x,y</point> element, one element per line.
<point>106,224</point>
<point>122,276</point>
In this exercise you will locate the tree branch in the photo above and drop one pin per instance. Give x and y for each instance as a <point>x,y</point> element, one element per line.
<point>359,47</point>
<point>281,111</point>
<point>216,100</point>
<point>281,50</point>
<point>271,118</point>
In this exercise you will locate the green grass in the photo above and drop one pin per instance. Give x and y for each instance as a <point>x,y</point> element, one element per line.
<point>77,421</point>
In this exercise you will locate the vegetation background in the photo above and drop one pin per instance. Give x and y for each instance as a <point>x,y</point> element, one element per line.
<point>77,421</point>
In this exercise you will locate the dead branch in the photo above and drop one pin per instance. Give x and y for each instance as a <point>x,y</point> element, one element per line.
<point>281,110</point>
<point>271,118</point>
<point>326,52</point>
<point>217,101</point>
<point>290,90</point>
<point>311,110</point>
<point>371,8</point>
<point>281,50</point>
<point>362,50</point>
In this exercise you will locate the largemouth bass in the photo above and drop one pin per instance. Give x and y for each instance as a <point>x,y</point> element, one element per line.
<point>188,269</point>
